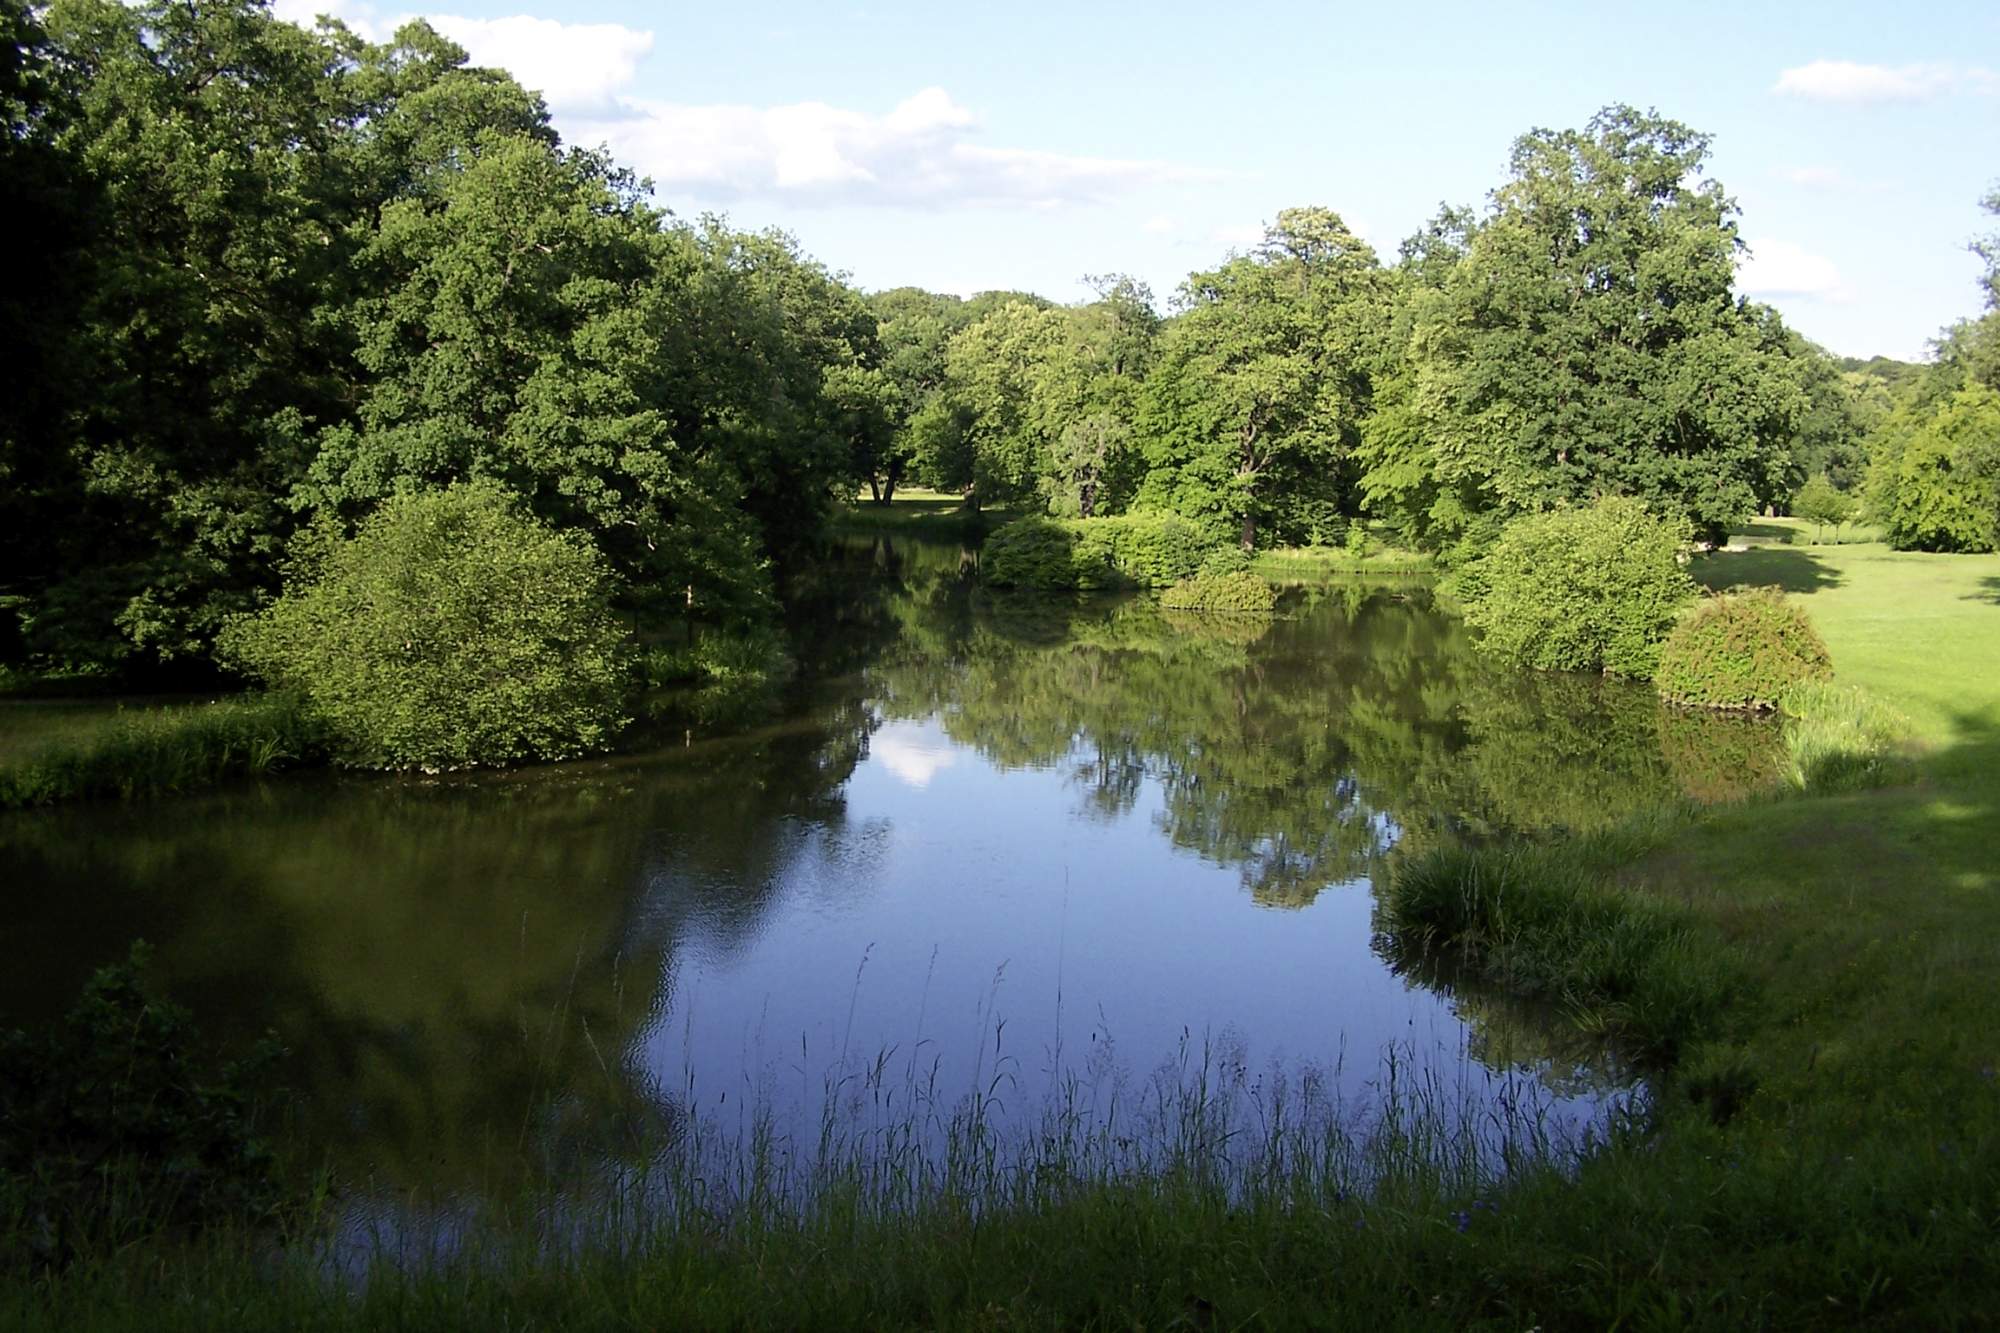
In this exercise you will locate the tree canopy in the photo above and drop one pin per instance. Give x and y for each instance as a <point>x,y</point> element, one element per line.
<point>293,273</point>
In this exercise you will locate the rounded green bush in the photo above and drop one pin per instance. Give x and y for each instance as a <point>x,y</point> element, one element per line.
<point>1039,553</point>
<point>1146,550</point>
<point>1742,649</point>
<point>451,630</point>
<point>1240,591</point>
<point>1594,589</point>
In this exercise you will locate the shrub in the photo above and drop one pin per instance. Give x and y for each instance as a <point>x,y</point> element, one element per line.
<point>1147,550</point>
<point>1224,560</point>
<point>1593,589</point>
<point>1839,738</point>
<point>451,630</point>
<point>114,1133</point>
<point>1742,649</point>
<point>1037,553</point>
<point>1237,592</point>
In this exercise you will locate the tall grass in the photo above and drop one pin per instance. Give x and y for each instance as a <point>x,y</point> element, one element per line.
<point>897,1212</point>
<point>1541,921</point>
<point>145,752</point>
<point>1840,738</point>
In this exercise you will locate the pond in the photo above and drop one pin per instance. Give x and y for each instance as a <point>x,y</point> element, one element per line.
<point>981,850</point>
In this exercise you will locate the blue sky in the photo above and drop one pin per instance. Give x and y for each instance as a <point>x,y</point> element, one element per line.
<point>1027,145</point>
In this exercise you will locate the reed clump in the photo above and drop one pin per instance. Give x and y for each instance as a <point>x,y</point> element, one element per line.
<point>146,752</point>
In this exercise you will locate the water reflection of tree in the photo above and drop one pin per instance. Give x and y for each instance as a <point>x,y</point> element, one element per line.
<point>457,967</point>
<point>1296,751</point>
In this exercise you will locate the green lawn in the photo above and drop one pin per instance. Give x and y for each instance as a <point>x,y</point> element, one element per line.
<point>1870,923</point>
<point>1920,630</point>
<point>920,513</point>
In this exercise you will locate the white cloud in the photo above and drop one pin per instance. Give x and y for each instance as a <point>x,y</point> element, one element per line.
<point>1161,225</point>
<point>922,153</point>
<point>912,752</point>
<point>919,154</point>
<point>575,66</point>
<point>1781,268</point>
<point>1849,81</point>
<point>578,67</point>
<point>356,14</point>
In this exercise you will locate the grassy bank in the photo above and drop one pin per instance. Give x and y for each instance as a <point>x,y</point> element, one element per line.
<point>920,513</point>
<point>77,753</point>
<point>1312,564</point>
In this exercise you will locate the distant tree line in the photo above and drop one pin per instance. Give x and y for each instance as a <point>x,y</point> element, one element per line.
<point>270,277</point>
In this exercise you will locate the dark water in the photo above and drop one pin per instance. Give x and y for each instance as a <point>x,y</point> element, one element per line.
<point>977,845</point>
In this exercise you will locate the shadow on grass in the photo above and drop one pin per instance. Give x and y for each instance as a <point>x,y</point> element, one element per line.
<point>1989,591</point>
<point>1791,568</point>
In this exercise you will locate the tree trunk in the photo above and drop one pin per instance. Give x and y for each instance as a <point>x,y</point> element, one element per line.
<point>1249,533</point>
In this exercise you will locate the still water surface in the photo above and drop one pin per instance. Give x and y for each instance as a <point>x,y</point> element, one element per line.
<point>978,845</point>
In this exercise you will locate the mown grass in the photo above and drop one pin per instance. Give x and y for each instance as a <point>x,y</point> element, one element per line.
<point>130,752</point>
<point>917,512</point>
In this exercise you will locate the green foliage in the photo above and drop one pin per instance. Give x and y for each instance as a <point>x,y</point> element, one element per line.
<point>221,159</point>
<point>1841,738</point>
<point>1819,502</point>
<point>1143,550</point>
<point>450,630</point>
<point>1934,482</point>
<point>1240,592</point>
<point>1742,649</point>
<point>1263,381</point>
<point>1030,399</point>
<point>1594,589</point>
<point>303,270</point>
<point>1582,339</point>
<point>112,1130</point>
<point>1538,923</point>
<point>1224,560</point>
<point>148,752</point>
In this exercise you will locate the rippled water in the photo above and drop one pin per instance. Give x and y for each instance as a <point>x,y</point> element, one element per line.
<point>986,848</point>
